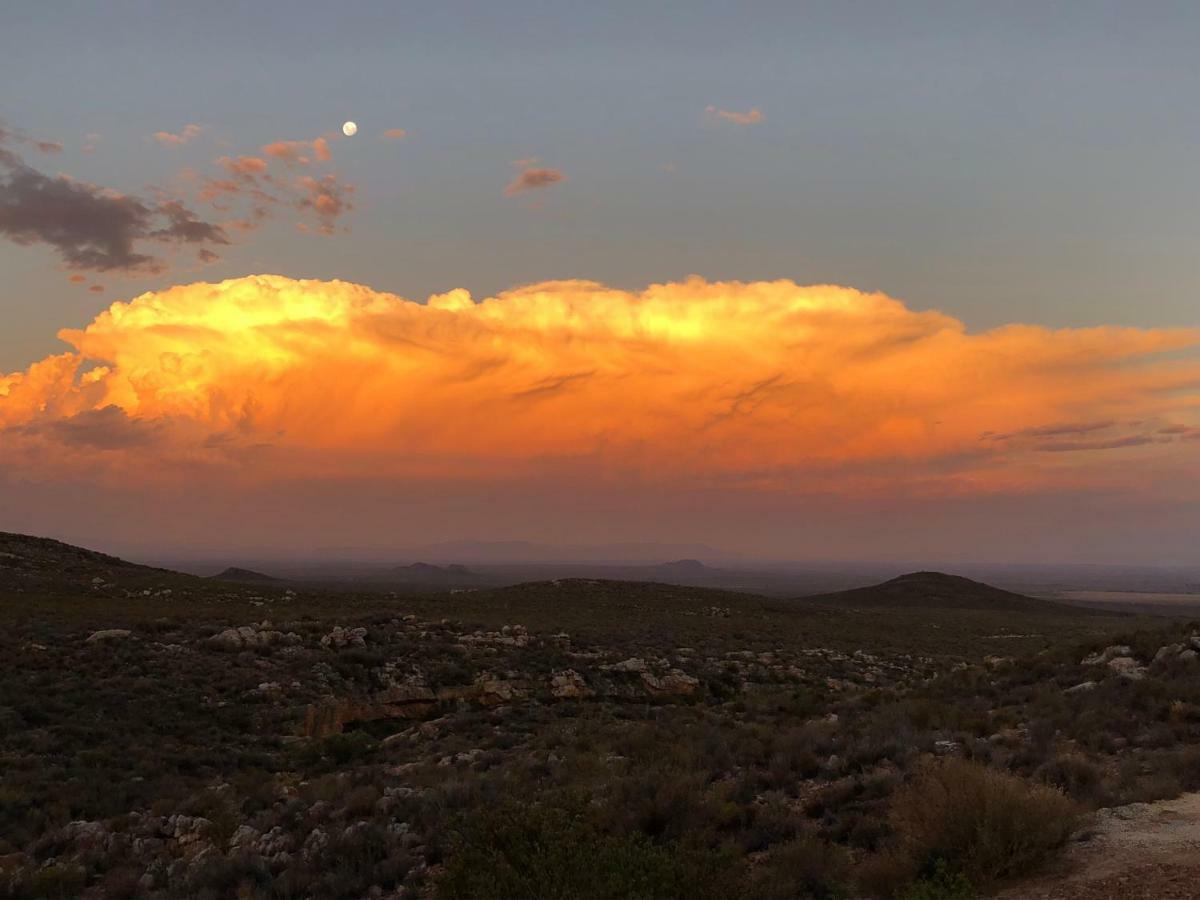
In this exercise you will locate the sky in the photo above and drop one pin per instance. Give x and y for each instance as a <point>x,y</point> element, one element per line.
<point>799,280</point>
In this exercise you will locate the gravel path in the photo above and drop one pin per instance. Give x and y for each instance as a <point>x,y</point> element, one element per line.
<point>1144,851</point>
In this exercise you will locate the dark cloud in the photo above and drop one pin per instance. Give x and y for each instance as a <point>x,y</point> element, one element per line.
<point>107,428</point>
<point>1068,428</point>
<point>1054,430</point>
<point>1133,440</point>
<point>91,227</point>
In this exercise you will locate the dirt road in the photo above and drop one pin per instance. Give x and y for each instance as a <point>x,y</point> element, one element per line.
<point>1144,851</point>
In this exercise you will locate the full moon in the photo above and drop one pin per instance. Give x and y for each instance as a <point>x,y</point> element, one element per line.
<point>349,129</point>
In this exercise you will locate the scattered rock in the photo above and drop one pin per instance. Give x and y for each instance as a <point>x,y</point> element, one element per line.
<point>676,682</point>
<point>1107,654</point>
<point>412,701</point>
<point>569,684</point>
<point>1168,652</point>
<point>108,634</point>
<point>340,638</point>
<point>633,664</point>
<point>1127,667</point>
<point>249,637</point>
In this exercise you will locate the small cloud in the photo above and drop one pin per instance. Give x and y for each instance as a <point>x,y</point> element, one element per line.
<point>90,141</point>
<point>1134,440</point>
<point>206,256</point>
<point>532,178</point>
<point>327,197</point>
<point>668,167</point>
<point>77,278</point>
<point>299,153</point>
<point>167,139</point>
<point>97,289</point>
<point>48,146</point>
<point>395,134</point>
<point>751,117</point>
<point>242,165</point>
<point>1069,428</point>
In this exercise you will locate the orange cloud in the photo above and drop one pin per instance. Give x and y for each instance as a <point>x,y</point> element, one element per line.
<point>243,165</point>
<point>395,134</point>
<point>531,178</point>
<point>764,386</point>
<point>327,197</point>
<point>297,153</point>
<point>751,117</point>
<point>167,139</point>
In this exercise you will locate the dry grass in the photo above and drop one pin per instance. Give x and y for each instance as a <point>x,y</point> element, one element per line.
<point>987,825</point>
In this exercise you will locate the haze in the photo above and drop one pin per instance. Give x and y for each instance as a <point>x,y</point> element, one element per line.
<point>800,284</point>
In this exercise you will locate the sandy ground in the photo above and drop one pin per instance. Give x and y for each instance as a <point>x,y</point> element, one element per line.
<point>1144,851</point>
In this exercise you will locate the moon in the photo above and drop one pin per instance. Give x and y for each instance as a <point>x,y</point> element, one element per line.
<point>349,129</point>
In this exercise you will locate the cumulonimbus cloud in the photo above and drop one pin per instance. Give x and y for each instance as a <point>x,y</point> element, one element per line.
<point>763,386</point>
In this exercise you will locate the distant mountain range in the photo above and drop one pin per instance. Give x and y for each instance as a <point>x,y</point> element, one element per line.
<point>514,552</point>
<point>427,573</point>
<point>245,576</point>
<point>33,564</point>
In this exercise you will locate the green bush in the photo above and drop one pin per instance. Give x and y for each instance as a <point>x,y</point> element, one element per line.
<point>943,883</point>
<point>802,869</point>
<point>559,853</point>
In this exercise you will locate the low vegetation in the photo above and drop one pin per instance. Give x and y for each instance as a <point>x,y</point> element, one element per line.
<point>170,737</point>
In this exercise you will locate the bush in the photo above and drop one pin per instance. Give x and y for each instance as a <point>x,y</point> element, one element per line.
<point>803,868</point>
<point>540,853</point>
<point>941,884</point>
<point>980,823</point>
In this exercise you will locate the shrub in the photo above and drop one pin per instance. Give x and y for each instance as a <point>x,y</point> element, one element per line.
<point>550,853</point>
<point>802,868</point>
<point>942,883</point>
<point>984,824</point>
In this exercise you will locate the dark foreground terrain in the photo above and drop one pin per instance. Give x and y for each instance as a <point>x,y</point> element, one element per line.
<point>163,735</point>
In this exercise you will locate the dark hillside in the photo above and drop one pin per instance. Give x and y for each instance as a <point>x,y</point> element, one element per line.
<point>34,563</point>
<point>936,590</point>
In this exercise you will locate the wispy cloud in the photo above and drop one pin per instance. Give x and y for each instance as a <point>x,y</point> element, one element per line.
<point>167,139</point>
<point>395,134</point>
<point>299,153</point>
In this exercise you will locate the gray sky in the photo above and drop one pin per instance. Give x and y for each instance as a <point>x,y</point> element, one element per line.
<point>1002,162</point>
